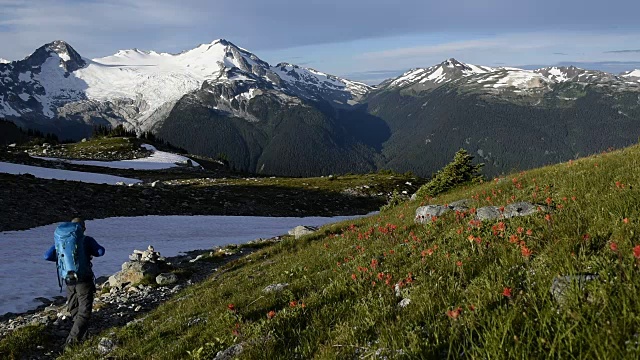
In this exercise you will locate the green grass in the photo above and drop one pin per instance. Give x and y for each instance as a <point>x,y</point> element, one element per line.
<point>453,271</point>
<point>22,342</point>
<point>120,146</point>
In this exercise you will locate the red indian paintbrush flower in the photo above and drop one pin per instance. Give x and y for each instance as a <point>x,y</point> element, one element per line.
<point>636,251</point>
<point>613,246</point>
<point>231,307</point>
<point>506,292</point>
<point>271,314</point>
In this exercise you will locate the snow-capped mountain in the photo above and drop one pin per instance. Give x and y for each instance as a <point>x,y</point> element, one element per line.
<point>434,76</point>
<point>508,83</point>
<point>4,61</point>
<point>140,87</point>
<point>318,85</point>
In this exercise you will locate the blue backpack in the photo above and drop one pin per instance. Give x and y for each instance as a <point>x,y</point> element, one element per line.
<point>73,262</point>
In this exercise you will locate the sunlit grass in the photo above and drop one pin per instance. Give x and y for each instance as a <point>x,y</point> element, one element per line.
<point>474,291</point>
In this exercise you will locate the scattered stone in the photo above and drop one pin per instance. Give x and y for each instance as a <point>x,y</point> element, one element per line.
<point>197,258</point>
<point>166,279</point>
<point>156,183</point>
<point>106,346</point>
<point>519,209</point>
<point>562,284</point>
<point>302,230</point>
<point>230,353</point>
<point>83,140</point>
<point>275,288</point>
<point>404,303</point>
<point>133,272</point>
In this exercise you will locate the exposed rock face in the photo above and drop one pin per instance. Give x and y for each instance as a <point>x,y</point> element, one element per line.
<point>488,213</point>
<point>519,209</point>
<point>302,230</point>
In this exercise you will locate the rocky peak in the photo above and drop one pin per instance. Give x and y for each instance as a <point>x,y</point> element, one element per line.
<point>70,60</point>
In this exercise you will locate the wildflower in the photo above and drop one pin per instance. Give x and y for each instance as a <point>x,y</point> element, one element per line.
<point>453,314</point>
<point>625,220</point>
<point>380,276</point>
<point>547,217</point>
<point>526,252</point>
<point>354,277</point>
<point>513,239</point>
<point>506,292</point>
<point>613,246</point>
<point>471,238</point>
<point>374,263</point>
<point>548,200</point>
<point>520,230</point>
<point>585,237</point>
<point>271,314</point>
<point>636,251</point>
<point>459,263</point>
<point>529,232</point>
<point>231,307</point>
<point>303,305</point>
<point>293,304</point>
<point>472,308</point>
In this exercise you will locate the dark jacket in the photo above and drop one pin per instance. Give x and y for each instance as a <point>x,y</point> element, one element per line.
<point>90,244</point>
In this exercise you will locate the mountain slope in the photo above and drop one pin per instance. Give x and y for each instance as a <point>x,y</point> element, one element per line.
<point>388,287</point>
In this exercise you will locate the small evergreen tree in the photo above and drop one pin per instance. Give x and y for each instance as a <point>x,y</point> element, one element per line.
<point>461,170</point>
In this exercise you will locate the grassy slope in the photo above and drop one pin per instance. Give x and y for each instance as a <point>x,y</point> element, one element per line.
<point>345,318</point>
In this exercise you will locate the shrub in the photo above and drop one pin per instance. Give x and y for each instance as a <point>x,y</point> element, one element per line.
<point>461,170</point>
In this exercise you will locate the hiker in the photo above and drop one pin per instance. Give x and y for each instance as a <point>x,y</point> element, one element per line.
<point>73,251</point>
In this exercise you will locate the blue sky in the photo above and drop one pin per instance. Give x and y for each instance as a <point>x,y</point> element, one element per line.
<point>363,40</point>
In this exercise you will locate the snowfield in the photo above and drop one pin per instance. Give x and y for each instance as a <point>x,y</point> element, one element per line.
<point>157,161</point>
<point>57,174</point>
<point>27,275</point>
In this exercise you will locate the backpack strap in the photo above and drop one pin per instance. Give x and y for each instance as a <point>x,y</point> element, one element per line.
<point>58,275</point>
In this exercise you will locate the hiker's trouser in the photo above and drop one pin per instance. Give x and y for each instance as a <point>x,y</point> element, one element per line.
<point>80,303</point>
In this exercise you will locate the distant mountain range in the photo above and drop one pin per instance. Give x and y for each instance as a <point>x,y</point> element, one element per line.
<point>221,100</point>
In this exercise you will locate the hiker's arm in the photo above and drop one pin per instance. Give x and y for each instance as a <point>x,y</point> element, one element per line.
<point>95,249</point>
<point>50,255</point>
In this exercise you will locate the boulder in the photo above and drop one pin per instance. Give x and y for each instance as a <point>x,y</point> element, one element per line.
<point>105,346</point>
<point>425,213</point>
<point>302,230</point>
<point>563,284</point>
<point>230,353</point>
<point>275,288</point>
<point>519,209</point>
<point>460,205</point>
<point>488,213</point>
<point>166,279</point>
<point>133,272</point>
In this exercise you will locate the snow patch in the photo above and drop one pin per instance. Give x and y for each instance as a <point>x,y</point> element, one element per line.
<point>157,161</point>
<point>24,96</point>
<point>25,76</point>
<point>22,251</point>
<point>58,174</point>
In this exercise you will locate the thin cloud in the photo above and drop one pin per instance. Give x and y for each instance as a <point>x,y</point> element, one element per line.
<point>622,51</point>
<point>560,53</point>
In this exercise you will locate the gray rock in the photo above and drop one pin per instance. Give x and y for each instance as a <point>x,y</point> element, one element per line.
<point>414,197</point>
<point>133,272</point>
<point>425,213</point>
<point>106,346</point>
<point>275,288</point>
<point>230,353</point>
<point>302,230</point>
<point>460,205</point>
<point>519,209</point>
<point>404,303</point>
<point>166,279</point>
<point>488,213</point>
<point>563,284</point>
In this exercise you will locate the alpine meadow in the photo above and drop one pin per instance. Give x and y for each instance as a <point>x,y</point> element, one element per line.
<point>319,180</point>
